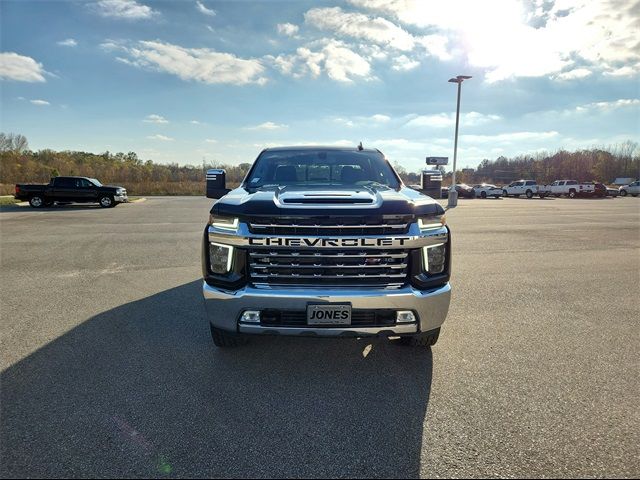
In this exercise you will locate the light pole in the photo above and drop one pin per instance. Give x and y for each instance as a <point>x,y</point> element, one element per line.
<point>453,194</point>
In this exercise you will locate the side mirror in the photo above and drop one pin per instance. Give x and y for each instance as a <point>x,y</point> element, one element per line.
<point>216,183</point>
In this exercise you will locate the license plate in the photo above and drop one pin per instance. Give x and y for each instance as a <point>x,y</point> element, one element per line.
<point>329,314</point>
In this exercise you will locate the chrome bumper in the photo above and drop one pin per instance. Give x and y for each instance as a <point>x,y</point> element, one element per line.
<point>121,198</point>
<point>224,308</point>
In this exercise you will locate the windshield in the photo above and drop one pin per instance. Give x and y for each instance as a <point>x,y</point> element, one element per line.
<point>321,168</point>
<point>95,182</point>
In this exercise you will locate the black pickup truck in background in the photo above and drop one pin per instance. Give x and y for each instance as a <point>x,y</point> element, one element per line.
<point>70,190</point>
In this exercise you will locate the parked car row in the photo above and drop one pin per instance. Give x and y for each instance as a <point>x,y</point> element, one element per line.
<point>530,188</point>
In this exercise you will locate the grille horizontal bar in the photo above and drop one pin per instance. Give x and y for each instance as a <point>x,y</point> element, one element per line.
<point>349,267</point>
<point>298,318</point>
<point>326,255</point>
<point>319,265</point>
<point>330,225</point>
<point>295,225</point>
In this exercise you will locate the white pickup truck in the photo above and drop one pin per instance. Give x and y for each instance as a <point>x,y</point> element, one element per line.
<point>521,187</point>
<point>570,188</point>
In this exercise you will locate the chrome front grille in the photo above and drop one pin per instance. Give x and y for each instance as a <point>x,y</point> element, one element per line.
<point>343,267</point>
<point>330,226</point>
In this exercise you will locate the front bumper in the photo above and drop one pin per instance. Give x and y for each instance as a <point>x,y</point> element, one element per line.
<point>121,198</point>
<point>224,308</point>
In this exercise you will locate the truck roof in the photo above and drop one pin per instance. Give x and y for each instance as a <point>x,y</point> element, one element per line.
<point>319,147</point>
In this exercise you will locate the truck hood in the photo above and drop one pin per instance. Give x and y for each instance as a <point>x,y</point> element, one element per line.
<point>305,201</point>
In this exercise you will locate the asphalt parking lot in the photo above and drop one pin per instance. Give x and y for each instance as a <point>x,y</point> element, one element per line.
<point>108,368</point>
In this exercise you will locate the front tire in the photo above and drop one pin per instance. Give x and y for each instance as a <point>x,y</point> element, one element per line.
<point>572,193</point>
<point>224,339</point>
<point>483,194</point>
<point>505,194</point>
<point>106,201</point>
<point>529,194</point>
<point>37,201</point>
<point>425,339</point>
<point>623,193</point>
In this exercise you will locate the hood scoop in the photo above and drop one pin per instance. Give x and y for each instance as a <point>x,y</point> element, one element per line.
<point>327,198</point>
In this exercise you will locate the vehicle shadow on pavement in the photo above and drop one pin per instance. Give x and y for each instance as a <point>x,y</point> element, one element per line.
<point>52,209</point>
<point>140,391</point>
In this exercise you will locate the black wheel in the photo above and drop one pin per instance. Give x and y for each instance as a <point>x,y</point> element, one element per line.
<point>623,193</point>
<point>426,339</point>
<point>505,194</point>
<point>37,201</point>
<point>224,339</point>
<point>634,194</point>
<point>106,201</point>
<point>572,193</point>
<point>541,195</point>
<point>483,194</point>
<point>529,194</point>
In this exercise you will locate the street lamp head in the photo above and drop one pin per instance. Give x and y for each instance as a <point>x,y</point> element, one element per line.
<point>460,78</point>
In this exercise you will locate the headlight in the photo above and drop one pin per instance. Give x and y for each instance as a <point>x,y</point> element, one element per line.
<point>220,258</point>
<point>120,191</point>
<point>223,223</point>
<point>434,258</point>
<point>431,223</point>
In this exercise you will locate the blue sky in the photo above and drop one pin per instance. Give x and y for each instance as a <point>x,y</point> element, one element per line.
<point>187,80</point>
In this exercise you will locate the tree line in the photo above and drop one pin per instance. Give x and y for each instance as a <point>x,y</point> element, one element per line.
<point>19,164</point>
<point>602,164</point>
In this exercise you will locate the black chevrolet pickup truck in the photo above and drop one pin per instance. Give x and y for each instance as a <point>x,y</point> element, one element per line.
<point>322,241</point>
<point>71,189</point>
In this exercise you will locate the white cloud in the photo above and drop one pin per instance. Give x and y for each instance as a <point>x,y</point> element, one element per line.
<point>69,42</point>
<point>211,140</point>
<point>404,64</point>
<point>268,126</point>
<point>626,71</point>
<point>360,26</point>
<point>332,57</point>
<point>162,138</point>
<point>199,64</point>
<point>574,74</point>
<point>526,39</point>
<point>40,102</point>
<point>195,122</point>
<point>613,105</point>
<point>379,118</point>
<point>288,29</point>
<point>155,119</point>
<point>202,9</point>
<point>442,120</point>
<point>20,68</point>
<point>344,121</point>
<point>126,9</point>
<point>359,121</point>
<point>508,138</point>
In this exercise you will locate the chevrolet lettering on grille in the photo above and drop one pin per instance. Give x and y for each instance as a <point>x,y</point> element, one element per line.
<point>326,242</point>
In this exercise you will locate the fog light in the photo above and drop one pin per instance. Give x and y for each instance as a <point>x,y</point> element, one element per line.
<point>434,258</point>
<point>220,258</point>
<point>405,316</point>
<point>250,316</point>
